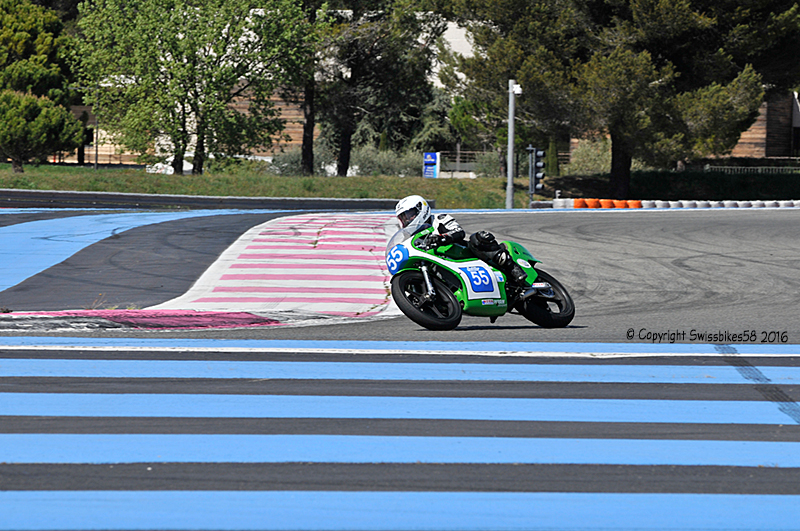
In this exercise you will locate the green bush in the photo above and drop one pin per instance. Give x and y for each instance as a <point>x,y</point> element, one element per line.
<point>674,185</point>
<point>33,127</point>
<point>286,163</point>
<point>229,165</point>
<point>488,164</point>
<point>290,162</point>
<point>364,161</point>
<point>591,157</point>
<point>699,164</point>
<point>368,160</point>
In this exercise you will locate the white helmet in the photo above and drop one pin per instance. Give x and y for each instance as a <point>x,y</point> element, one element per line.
<point>412,211</point>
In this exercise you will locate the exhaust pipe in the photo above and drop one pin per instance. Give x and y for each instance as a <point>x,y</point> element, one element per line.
<point>543,289</point>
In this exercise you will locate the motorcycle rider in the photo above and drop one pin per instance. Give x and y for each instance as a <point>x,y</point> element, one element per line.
<point>413,212</point>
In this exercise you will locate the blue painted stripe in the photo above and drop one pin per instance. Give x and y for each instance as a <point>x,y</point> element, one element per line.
<point>657,374</point>
<point>390,407</point>
<point>204,448</point>
<point>51,241</point>
<point>497,347</point>
<point>388,511</point>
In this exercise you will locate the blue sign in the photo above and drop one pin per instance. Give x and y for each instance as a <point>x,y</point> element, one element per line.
<point>430,165</point>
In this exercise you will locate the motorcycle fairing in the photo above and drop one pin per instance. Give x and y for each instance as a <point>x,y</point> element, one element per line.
<point>479,278</point>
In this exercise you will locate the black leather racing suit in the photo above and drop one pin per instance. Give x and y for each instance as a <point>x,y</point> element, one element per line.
<point>482,244</point>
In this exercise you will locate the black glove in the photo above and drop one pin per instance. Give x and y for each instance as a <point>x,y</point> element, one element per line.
<point>432,240</point>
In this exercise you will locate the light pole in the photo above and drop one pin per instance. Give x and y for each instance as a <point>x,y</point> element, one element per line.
<point>513,91</point>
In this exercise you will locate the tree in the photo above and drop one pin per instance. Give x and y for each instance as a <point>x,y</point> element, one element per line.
<point>67,10</point>
<point>309,88</point>
<point>647,73</point>
<point>302,89</point>
<point>33,80</point>
<point>432,130</point>
<point>169,73</point>
<point>374,77</point>
<point>32,50</point>
<point>32,127</point>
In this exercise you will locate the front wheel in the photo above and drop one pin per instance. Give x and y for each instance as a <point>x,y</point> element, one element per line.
<point>549,312</point>
<point>441,313</point>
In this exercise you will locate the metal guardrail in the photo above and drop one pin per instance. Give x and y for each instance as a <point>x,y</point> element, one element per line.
<point>461,161</point>
<point>56,199</point>
<point>752,169</point>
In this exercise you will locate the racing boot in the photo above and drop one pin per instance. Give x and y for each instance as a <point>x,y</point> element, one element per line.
<point>513,271</point>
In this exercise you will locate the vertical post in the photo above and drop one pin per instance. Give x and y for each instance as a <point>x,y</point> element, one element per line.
<point>510,161</point>
<point>530,149</point>
<point>96,138</point>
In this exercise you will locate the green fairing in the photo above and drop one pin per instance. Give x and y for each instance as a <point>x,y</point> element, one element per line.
<point>519,252</point>
<point>458,252</point>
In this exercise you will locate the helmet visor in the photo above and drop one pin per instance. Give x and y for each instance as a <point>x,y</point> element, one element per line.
<point>408,216</point>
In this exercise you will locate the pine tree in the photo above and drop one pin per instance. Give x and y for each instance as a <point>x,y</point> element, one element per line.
<point>665,80</point>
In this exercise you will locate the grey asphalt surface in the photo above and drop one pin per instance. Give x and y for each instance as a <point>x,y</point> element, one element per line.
<point>134,269</point>
<point>649,272</point>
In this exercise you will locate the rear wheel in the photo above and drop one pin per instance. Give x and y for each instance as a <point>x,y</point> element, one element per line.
<point>443,312</point>
<point>549,312</point>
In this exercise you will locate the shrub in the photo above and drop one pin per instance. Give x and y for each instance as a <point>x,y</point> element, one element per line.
<point>672,185</point>
<point>488,164</point>
<point>592,157</point>
<point>290,162</point>
<point>33,127</point>
<point>368,160</point>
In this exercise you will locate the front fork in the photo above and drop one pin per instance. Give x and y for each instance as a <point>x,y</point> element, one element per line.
<point>431,292</point>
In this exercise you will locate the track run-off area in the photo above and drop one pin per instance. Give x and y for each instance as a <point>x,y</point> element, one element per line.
<point>327,409</point>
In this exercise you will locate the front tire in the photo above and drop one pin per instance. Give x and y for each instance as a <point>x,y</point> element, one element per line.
<point>555,312</point>
<point>442,313</point>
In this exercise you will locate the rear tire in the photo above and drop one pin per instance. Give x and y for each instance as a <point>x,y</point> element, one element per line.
<point>556,312</point>
<point>443,313</point>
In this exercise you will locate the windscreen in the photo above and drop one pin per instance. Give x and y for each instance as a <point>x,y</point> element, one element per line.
<point>399,237</point>
<point>403,235</point>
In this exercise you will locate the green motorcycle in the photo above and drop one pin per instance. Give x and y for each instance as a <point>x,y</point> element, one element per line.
<point>433,285</point>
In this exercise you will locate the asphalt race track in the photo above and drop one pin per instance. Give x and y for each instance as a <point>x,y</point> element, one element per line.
<point>670,402</point>
<point>140,267</point>
<point>654,272</point>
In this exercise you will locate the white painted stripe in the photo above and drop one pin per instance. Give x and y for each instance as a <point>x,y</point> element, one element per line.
<point>422,348</point>
<point>370,352</point>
